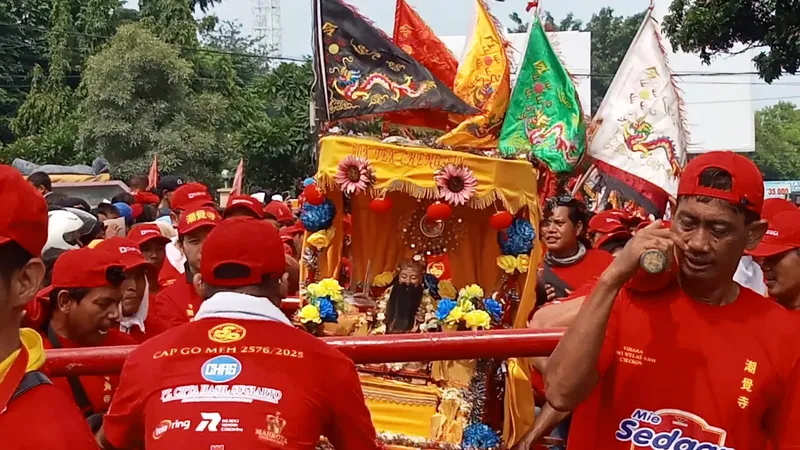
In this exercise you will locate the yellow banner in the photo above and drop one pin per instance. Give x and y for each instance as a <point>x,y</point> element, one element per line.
<point>483,81</point>
<point>411,170</point>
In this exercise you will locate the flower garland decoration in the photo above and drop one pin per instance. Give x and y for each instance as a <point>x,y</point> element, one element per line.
<point>457,184</point>
<point>325,300</point>
<point>480,436</point>
<point>354,174</point>
<point>318,217</point>
<point>446,289</point>
<point>494,308</point>
<point>469,310</point>
<point>321,239</point>
<point>511,264</point>
<point>516,239</point>
<point>478,319</point>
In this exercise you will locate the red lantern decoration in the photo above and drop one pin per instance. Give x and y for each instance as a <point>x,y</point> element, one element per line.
<point>380,205</point>
<point>439,211</point>
<point>501,220</point>
<point>313,195</point>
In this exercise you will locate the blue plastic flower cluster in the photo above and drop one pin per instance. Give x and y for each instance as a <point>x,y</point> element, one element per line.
<point>516,239</point>
<point>494,308</point>
<point>316,218</point>
<point>327,311</point>
<point>444,307</point>
<point>431,284</point>
<point>479,436</point>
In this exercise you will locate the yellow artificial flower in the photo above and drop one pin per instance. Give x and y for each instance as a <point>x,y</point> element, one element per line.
<point>471,291</point>
<point>446,289</point>
<point>322,238</point>
<point>478,319</point>
<point>465,304</point>
<point>309,313</point>
<point>314,291</point>
<point>383,279</point>
<point>510,264</point>
<point>331,288</point>
<point>456,314</point>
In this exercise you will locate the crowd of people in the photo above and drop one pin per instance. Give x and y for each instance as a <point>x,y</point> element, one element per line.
<point>700,356</point>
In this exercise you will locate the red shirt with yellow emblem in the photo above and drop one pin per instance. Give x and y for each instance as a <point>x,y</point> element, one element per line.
<point>226,384</point>
<point>178,303</point>
<point>677,374</point>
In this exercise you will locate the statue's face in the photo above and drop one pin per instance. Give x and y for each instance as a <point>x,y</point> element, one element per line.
<point>410,276</point>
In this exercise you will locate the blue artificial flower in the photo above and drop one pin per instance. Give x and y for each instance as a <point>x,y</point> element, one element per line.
<point>517,239</point>
<point>431,284</point>
<point>327,312</point>
<point>309,181</point>
<point>479,436</point>
<point>494,308</point>
<point>318,217</point>
<point>444,307</point>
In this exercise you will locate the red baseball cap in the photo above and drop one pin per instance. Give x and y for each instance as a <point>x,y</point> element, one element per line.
<point>773,206</point>
<point>609,221</point>
<point>127,252</point>
<point>198,217</point>
<point>291,230</point>
<point>194,194</point>
<point>24,220</point>
<point>243,241</point>
<point>783,235</point>
<point>747,187</point>
<point>280,211</point>
<point>84,268</point>
<point>623,234</point>
<point>147,232</point>
<point>244,202</point>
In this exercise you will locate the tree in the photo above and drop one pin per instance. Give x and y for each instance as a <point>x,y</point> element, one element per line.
<point>778,142</point>
<point>520,26</point>
<point>139,102</point>
<point>713,28</point>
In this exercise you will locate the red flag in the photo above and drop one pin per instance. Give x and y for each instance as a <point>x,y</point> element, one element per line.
<point>416,38</point>
<point>238,178</point>
<point>152,175</point>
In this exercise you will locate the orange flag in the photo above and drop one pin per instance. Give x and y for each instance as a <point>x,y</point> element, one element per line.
<point>238,178</point>
<point>416,38</point>
<point>152,175</point>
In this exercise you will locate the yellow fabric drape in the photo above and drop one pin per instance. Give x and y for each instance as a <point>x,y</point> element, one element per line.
<point>399,407</point>
<point>519,406</point>
<point>483,81</point>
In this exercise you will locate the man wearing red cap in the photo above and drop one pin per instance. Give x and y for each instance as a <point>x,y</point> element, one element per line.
<point>85,299</point>
<point>187,196</point>
<point>780,258</point>
<point>138,317</point>
<point>178,303</point>
<point>239,375</point>
<point>699,363</point>
<point>33,412</point>
<point>244,205</point>
<point>151,243</point>
<point>281,212</point>
<point>609,230</point>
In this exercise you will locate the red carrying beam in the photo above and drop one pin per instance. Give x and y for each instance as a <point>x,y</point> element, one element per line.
<point>362,350</point>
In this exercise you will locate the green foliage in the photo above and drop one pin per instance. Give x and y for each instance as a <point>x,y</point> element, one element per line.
<point>778,142</point>
<point>715,27</point>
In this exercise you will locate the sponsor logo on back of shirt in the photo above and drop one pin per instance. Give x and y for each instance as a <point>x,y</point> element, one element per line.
<point>166,425</point>
<point>207,393</point>
<point>221,369</point>
<point>214,422</point>
<point>273,433</point>
<point>226,333</point>
<point>670,429</point>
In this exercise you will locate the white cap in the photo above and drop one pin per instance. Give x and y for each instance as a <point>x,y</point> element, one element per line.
<point>277,198</point>
<point>260,196</point>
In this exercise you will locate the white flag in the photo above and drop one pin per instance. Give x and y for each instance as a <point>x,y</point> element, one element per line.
<point>639,127</point>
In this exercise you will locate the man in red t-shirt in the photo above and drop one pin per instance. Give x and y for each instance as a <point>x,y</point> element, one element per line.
<point>243,205</point>
<point>240,375</point>
<point>779,256</point>
<point>138,318</point>
<point>700,363</point>
<point>85,299</point>
<point>178,303</point>
<point>34,414</point>
<point>151,243</point>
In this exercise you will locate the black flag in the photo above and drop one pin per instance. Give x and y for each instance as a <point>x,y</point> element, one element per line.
<point>361,72</point>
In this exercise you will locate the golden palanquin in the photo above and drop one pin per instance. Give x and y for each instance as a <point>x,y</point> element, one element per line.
<point>428,401</point>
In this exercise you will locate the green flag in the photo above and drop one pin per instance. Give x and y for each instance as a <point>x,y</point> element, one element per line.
<point>544,116</point>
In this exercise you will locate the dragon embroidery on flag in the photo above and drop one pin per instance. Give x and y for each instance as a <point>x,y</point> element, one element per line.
<point>352,86</point>
<point>539,131</point>
<point>636,134</point>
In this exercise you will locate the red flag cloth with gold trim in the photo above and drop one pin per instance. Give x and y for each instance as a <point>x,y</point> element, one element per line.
<point>362,72</point>
<point>483,81</point>
<point>416,38</point>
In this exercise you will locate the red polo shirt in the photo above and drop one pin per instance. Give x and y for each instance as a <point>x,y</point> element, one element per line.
<point>99,389</point>
<point>679,374</point>
<point>178,303</point>
<point>168,275</point>
<point>589,267</point>
<point>238,384</point>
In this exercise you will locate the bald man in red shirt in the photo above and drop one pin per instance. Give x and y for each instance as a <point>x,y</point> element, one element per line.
<point>239,376</point>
